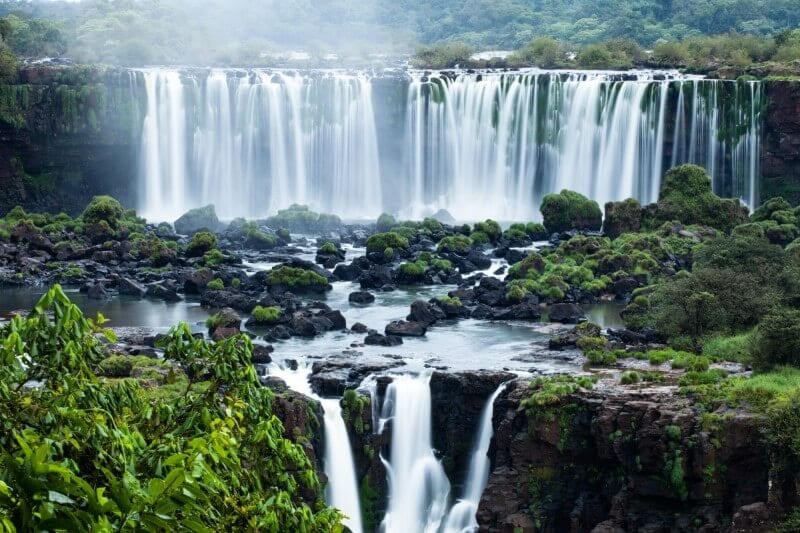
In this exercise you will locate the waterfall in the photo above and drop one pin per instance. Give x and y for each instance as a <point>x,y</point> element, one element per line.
<point>256,141</point>
<point>461,518</point>
<point>418,486</point>
<point>342,489</point>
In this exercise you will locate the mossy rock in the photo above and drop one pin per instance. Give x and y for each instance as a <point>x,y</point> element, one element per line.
<point>198,219</point>
<point>201,243</point>
<point>103,209</point>
<point>381,241</point>
<point>569,210</point>
<point>622,217</point>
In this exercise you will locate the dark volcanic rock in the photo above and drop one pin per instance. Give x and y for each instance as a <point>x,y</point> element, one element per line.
<point>566,313</point>
<point>403,328</point>
<point>130,288</point>
<point>361,297</point>
<point>161,291</point>
<point>424,313</point>
<point>97,292</point>
<point>336,373</point>
<point>376,339</point>
<point>204,218</point>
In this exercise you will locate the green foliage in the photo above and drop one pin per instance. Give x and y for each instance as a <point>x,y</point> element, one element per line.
<point>80,453</point>
<point>455,244</point>
<point>686,196</point>
<point>570,210</point>
<point>553,389</point>
<point>378,242</point>
<point>735,348</point>
<point>201,243</point>
<point>385,222</point>
<point>443,55</point>
<point>103,209</point>
<point>328,248</point>
<point>543,52</point>
<point>630,377</point>
<point>776,339</point>
<point>295,277</point>
<point>450,300</point>
<point>266,315</point>
<point>215,284</point>
<point>413,270</point>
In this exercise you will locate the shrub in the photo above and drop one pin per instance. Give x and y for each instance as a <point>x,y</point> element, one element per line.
<point>116,366</point>
<point>529,268</point>
<point>328,248</point>
<point>490,228</point>
<point>442,55</point>
<point>295,277</point>
<point>630,377</point>
<point>450,300</point>
<point>381,241</point>
<point>587,343</point>
<point>103,209</point>
<point>413,270</point>
<point>776,339</point>
<point>622,217</point>
<point>266,315</point>
<point>536,231</point>
<point>569,210</point>
<point>734,348</point>
<point>201,243</point>
<point>601,357</point>
<point>455,244</point>
<point>216,284</point>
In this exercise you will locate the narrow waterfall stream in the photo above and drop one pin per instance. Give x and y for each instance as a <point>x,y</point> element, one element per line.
<point>418,485</point>
<point>461,518</point>
<point>342,489</point>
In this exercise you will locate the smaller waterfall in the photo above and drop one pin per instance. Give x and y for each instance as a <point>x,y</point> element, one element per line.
<point>342,489</point>
<point>418,486</point>
<point>461,518</point>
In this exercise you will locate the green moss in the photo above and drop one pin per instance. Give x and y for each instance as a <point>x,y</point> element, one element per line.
<point>569,210</point>
<point>201,243</point>
<point>630,377</point>
<point>295,277</point>
<point>266,315</point>
<point>385,222</point>
<point>328,248</point>
<point>103,209</point>
<point>381,241</point>
<point>216,284</point>
<point>413,270</point>
<point>449,300</point>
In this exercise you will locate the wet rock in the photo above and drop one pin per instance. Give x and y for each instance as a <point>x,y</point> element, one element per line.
<point>194,220</point>
<point>279,332</point>
<point>566,313</point>
<point>376,339</point>
<point>97,292</point>
<point>196,281</point>
<point>424,313</point>
<point>261,354</point>
<point>225,324</point>
<point>228,298</point>
<point>302,326</point>
<point>403,328</point>
<point>376,277</point>
<point>335,374</point>
<point>528,310</point>
<point>358,327</point>
<point>161,291</point>
<point>349,272</point>
<point>361,297</point>
<point>129,287</point>
<point>337,320</point>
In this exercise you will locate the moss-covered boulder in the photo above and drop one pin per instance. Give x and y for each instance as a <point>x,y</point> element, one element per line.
<point>569,210</point>
<point>622,217</point>
<point>686,196</point>
<point>199,219</point>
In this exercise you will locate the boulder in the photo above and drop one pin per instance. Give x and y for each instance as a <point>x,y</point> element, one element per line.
<point>201,218</point>
<point>424,313</point>
<point>361,297</point>
<point>97,292</point>
<point>129,287</point>
<point>161,291</point>
<point>566,313</point>
<point>376,339</point>
<point>403,328</point>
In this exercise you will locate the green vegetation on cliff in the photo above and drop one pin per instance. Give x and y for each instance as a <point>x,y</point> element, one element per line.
<point>200,450</point>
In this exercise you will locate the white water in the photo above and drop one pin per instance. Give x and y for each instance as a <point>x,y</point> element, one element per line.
<point>418,486</point>
<point>252,142</point>
<point>342,489</point>
<point>461,518</point>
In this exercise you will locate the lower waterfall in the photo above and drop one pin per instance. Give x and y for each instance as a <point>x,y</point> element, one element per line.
<point>342,490</point>
<point>461,518</point>
<point>418,485</point>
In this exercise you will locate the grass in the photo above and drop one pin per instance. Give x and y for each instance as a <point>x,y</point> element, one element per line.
<point>735,349</point>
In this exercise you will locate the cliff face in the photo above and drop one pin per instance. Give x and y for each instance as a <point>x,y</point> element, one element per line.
<point>67,134</point>
<point>624,461</point>
<point>780,147</point>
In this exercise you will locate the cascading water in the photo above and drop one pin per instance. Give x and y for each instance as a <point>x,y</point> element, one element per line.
<point>342,490</point>
<point>418,486</point>
<point>461,518</point>
<point>252,142</point>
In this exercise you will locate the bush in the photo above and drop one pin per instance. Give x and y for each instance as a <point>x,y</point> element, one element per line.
<point>569,210</point>
<point>455,244</point>
<point>201,243</point>
<point>529,268</point>
<point>686,196</point>
<point>116,366</point>
<point>295,277</point>
<point>544,52</point>
<point>622,217</point>
<point>381,241</point>
<point>385,222</point>
<point>536,231</point>
<point>734,348</point>
<point>103,209</point>
<point>776,339</point>
<point>328,248</point>
<point>630,377</point>
<point>266,315</point>
<point>215,284</point>
<point>449,300</point>
<point>443,55</point>
<point>413,270</point>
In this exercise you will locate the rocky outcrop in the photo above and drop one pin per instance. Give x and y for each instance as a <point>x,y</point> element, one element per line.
<point>780,146</point>
<point>623,461</point>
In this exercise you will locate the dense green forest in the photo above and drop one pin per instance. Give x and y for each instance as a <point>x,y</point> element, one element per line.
<point>212,31</point>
